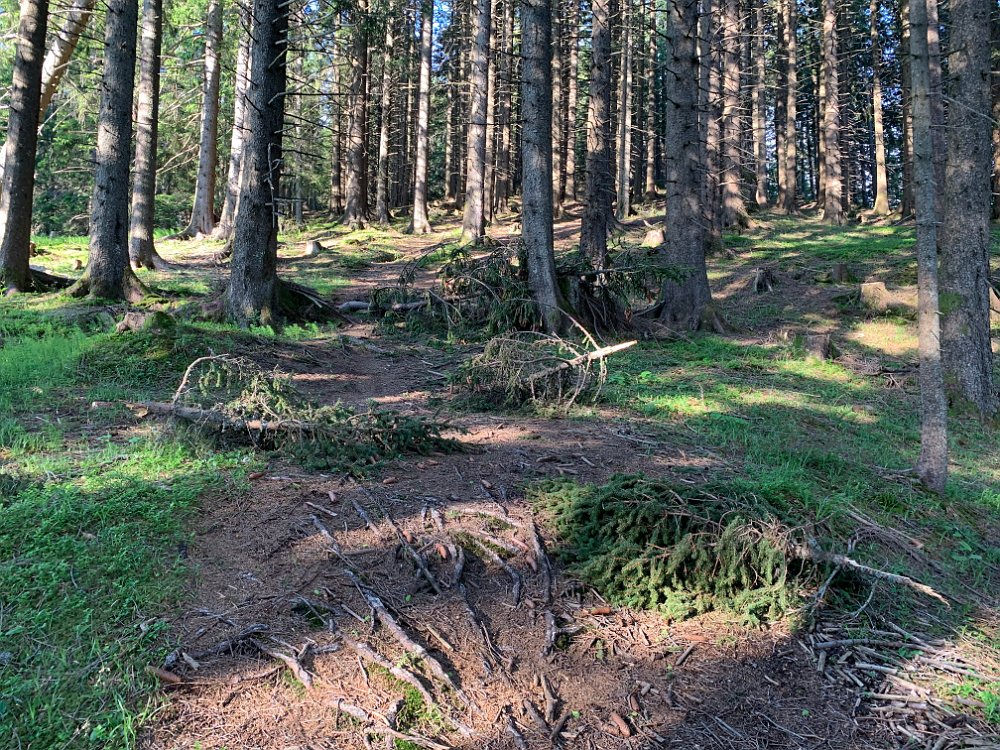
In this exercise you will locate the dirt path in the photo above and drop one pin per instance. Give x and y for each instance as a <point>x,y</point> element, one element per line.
<point>539,660</point>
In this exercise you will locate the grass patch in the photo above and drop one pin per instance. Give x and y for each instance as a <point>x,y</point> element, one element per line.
<point>91,529</point>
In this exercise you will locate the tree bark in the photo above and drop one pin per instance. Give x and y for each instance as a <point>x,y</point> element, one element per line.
<point>18,182</point>
<point>733,209</point>
<point>224,229</point>
<point>502,192</point>
<point>336,202</point>
<point>881,175</point>
<point>685,303</point>
<point>597,206</point>
<point>108,274</point>
<point>356,198</point>
<point>382,168</point>
<point>474,217</point>
<point>572,96</point>
<point>787,187</point>
<point>203,213</point>
<point>965,229</point>
<point>558,165</point>
<point>932,465</point>
<point>623,181</point>
<point>75,21</point>
<point>252,296</point>
<point>419,223</point>
<point>489,168</point>
<point>649,192</point>
<point>758,107</point>
<point>142,250</point>
<point>833,208</point>
<point>536,155</point>
<point>906,204</point>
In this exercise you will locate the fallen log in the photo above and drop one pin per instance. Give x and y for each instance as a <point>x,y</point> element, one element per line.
<point>216,419</point>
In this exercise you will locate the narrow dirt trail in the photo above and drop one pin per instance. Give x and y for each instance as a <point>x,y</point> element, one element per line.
<point>282,642</point>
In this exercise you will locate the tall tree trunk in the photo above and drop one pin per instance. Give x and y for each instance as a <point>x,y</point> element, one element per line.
<point>75,20</point>
<point>419,223</point>
<point>18,183</point>
<point>932,465</point>
<point>489,171</point>
<point>906,204</point>
<point>252,296</point>
<point>733,209</point>
<point>687,302</point>
<point>203,212</point>
<point>623,180</point>
<point>474,218</point>
<point>142,251</point>
<point>108,274</point>
<point>558,123</point>
<point>965,229</point>
<point>937,102</point>
<point>995,94</point>
<point>382,169</point>
<point>224,229</point>
<point>787,187</point>
<point>881,175</point>
<point>833,207</point>
<point>597,206</point>
<point>504,109</point>
<point>649,192</point>
<point>572,95</point>
<point>356,198</point>
<point>536,155</point>
<point>336,205</point>
<point>758,106</point>
<point>712,118</point>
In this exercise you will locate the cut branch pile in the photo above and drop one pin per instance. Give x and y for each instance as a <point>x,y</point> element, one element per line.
<point>535,367</point>
<point>235,397</point>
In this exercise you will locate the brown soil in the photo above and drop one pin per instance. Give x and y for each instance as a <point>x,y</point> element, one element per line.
<point>615,678</point>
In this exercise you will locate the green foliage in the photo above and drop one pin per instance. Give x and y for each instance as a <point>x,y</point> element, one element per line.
<point>322,437</point>
<point>674,547</point>
<point>91,541</point>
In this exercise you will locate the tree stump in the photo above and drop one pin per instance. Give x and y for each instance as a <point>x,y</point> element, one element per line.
<point>313,248</point>
<point>819,346</point>
<point>763,280</point>
<point>876,296</point>
<point>655,236</point>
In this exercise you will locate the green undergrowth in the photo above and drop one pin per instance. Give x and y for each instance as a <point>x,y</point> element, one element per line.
<point>674,547</point>
<point>819,442</point>
<point>92,537</point>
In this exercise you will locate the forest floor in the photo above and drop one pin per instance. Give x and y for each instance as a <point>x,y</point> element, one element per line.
<point>162,589</point>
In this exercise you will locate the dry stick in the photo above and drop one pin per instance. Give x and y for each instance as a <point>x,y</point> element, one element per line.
<point>416,556</point>
<point>404,675</point>
<point>813,553</point>
<point>300,672</point>
<point>328,537</point>
<point>187,374</point>
<point>404,639</point>
<point>218,420</point>
<point>513,731</point>
<point>223,647</point>
<point>369,523</point>
<point>550,700</point>
<point>383,727</point>
<point>594,356</point>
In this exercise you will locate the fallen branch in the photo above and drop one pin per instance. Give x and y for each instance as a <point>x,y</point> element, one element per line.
<point>813,553</point>
<point>403,637</point>
<point>300,672</point>
<point>594,356</point>
<point>356,712</point>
